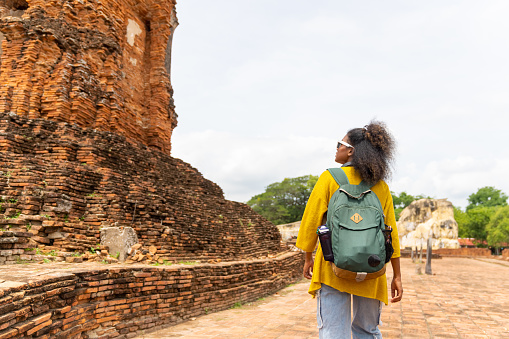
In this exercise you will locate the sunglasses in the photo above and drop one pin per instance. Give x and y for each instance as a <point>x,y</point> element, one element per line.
<point>343,143</point>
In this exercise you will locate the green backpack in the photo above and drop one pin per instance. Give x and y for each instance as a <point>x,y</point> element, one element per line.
<point>356,221</point>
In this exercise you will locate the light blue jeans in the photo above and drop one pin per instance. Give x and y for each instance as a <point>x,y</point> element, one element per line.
<point>334,315</point>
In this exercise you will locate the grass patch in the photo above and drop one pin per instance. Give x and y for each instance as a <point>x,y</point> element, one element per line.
<point>15,216</point>
<point>238,304</point>
<point>22,262</point>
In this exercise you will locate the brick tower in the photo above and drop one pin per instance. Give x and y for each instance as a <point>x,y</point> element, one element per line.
<point>98,64</point>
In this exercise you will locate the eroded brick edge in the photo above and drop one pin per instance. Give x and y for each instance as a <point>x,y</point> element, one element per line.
<point>120,302</point>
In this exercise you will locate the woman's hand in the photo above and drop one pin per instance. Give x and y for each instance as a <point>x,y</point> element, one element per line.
<point>396,285</point>
<point>396,289</point>
<point>308,265</point>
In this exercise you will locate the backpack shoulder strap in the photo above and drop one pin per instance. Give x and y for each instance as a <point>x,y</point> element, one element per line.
<point>364,185</point>
<point>339,175</point>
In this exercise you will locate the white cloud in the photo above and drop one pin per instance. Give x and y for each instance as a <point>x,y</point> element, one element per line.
<point>329,26</point>
<point>244,166</point>
<point>263,89</point>
<point>454,178</point>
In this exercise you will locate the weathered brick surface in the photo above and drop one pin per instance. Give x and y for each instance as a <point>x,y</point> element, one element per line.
<point>14,245</point>
<point>139,298</point>
<point>61,179</point>
<point>99,64</point>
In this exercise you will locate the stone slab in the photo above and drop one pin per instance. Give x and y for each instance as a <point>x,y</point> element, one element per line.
<point>119,240</point>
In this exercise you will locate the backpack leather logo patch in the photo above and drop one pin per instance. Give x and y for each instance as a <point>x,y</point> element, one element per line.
<point>356,218</point>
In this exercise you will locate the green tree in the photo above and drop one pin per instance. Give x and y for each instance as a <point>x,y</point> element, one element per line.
<point>462,220</point>
<point>498,227</point>
<point>284,202</point>
<point>477,221</point>
<point>487,196</point>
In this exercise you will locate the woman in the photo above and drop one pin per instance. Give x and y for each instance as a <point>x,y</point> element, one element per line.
<point>366,154</point>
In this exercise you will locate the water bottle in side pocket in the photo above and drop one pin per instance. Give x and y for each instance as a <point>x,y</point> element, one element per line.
<point>324,234</point>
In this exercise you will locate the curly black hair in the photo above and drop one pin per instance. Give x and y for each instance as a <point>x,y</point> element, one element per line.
<point>374,149</point>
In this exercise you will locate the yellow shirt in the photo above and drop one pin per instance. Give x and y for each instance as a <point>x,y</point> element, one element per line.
<point>312,219</point>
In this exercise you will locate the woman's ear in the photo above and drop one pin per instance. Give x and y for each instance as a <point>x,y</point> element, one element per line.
<point>351,151</point>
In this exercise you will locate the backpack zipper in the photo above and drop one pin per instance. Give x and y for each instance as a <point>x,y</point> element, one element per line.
<point>354,197</point>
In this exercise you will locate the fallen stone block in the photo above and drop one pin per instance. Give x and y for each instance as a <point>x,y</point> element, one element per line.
<point>118,240</point>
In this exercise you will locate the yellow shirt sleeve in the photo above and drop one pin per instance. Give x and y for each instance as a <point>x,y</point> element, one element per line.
<point>307,238</point>
<point>316,207</point>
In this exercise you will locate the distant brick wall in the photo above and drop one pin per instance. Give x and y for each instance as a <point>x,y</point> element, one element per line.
<point>467,252</point>
<point>505,253</point>
<point>121,301</point>
<point>63,183</point>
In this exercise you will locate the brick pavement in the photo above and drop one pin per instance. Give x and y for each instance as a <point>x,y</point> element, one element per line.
<point>464,298</point>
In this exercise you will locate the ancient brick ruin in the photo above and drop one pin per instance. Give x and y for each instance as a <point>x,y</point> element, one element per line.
<point>98,64</point>
<point>63,184</point>
<point>86,117</point>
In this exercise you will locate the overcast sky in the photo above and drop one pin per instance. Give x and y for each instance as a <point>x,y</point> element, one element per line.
<point>265,88</point>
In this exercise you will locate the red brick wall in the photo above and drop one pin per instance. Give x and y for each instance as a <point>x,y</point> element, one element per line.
<point>116,302</point>
<point>57,177</point>
<point>15,248</point>
<point>505,253</point>
<point>468,252</point>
